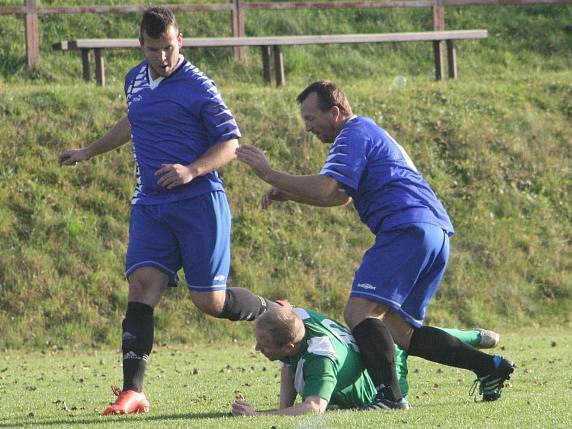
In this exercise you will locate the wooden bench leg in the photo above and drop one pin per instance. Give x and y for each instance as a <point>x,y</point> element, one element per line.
<point>86,72</point>
<point>279,66</point>
<point>99,67</point>
<point>266,64</point>
<point>452,59</point>
<point>439,66</point>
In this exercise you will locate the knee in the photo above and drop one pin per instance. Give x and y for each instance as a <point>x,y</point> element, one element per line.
<point>401,330</point>
<point>147,290</point>
<point>211,303</point>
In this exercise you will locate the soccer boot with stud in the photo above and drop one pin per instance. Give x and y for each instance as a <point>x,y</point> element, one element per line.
<point>127,402</point>
<point>382,402</point>
<point>490,386</point>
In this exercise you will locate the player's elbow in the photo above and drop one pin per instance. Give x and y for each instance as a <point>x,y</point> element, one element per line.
<point>336,197</point>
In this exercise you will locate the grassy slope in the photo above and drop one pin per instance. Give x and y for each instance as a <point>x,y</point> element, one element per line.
<point>495,145</point>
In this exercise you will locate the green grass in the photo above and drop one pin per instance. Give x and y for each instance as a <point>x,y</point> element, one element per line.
<point>495,145</point>
<point>194,387</point>
<point>497,153</point>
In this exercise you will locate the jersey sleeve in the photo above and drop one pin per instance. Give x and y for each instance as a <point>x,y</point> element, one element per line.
<point>346,160</point>
<point>319,378</point>
<point>217,117</point>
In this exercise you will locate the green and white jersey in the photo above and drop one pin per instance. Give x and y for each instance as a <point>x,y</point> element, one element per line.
<point>329,364</point>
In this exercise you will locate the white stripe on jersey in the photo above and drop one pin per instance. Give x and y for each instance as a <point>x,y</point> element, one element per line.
<point>405,155</point>
<point>336,155</point>
<point>299,376</point>
<point>322,346</point>
<point>328,165</point>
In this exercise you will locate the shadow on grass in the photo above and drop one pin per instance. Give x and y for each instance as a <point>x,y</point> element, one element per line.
<point>105,420</point>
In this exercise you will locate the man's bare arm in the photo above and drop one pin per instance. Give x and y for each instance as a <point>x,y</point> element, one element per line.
<point>119,134</point>
<point>311,405</point>
<point>173,175</point>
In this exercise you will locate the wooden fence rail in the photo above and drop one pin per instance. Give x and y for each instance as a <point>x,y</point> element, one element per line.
<point>237,8</point>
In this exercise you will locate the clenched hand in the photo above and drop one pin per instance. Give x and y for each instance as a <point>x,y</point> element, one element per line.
<point>173,175</point>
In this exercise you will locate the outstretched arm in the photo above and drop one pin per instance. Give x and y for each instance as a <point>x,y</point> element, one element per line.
<point>117,136</point>
<point>312,404</point>
<point>173,175</point>
<point>316,189</point>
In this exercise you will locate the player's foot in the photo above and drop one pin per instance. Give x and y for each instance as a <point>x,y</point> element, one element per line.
<point>127,402</point>
<point>490,386</point>
<point>380,402</point>
<point>489,339</point>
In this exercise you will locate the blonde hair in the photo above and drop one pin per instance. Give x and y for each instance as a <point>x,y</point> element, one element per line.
<point>282,324</point>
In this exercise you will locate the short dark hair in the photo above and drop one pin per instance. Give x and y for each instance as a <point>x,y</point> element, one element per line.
<point>329,95</point>
<point>156,21</point>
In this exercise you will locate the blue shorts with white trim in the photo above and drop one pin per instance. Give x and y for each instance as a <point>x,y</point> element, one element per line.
<point>403,269</point>
<point>193,234</point>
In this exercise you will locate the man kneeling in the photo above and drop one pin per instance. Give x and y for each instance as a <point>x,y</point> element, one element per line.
<point>322,364</point>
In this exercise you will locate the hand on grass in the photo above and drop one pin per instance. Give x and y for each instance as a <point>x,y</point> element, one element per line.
<point>73,156</point>
<point>241,408</point>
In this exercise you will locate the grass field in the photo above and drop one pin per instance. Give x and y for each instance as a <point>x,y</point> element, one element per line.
<point>194,387</point>
<point>496,145</point>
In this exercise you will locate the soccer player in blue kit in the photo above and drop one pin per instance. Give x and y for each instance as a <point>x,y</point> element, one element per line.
<point>182,132</point>
<point>402,271</point>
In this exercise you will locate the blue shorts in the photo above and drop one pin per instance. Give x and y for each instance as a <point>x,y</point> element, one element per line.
<point>193,234</point>
<point>403,269</point>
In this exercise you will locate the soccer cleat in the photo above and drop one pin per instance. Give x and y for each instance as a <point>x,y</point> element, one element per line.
<point>490,386</point>
<point>489,339</point>
<point>380,402</point>
<point>127,402</point>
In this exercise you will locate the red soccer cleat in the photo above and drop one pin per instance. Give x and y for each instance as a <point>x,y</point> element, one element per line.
<point>127,402</point>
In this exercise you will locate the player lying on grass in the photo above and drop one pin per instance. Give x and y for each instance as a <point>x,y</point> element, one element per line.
<point>322,363</point>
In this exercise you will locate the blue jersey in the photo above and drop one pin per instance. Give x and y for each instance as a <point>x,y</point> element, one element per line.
<point>175,122</point>
<point>387,190</point>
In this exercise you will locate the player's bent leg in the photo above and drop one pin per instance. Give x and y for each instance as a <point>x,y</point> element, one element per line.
<point>209,302</point>
<point>233,304</point>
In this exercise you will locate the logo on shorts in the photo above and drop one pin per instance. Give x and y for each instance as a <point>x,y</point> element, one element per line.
<point>366,286</point>
<point>219,278</point>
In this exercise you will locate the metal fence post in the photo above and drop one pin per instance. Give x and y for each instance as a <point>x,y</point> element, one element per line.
<point>32,33</point>
<point>237,20</point>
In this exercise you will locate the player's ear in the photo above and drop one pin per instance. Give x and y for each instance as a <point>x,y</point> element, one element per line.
<point>335,112</point>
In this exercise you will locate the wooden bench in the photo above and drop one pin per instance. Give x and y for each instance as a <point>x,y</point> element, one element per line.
<point>273,45</point>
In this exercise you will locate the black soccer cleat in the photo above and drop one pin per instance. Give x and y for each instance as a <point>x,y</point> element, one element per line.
<point>490,385</point>
<point>380,402</point>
